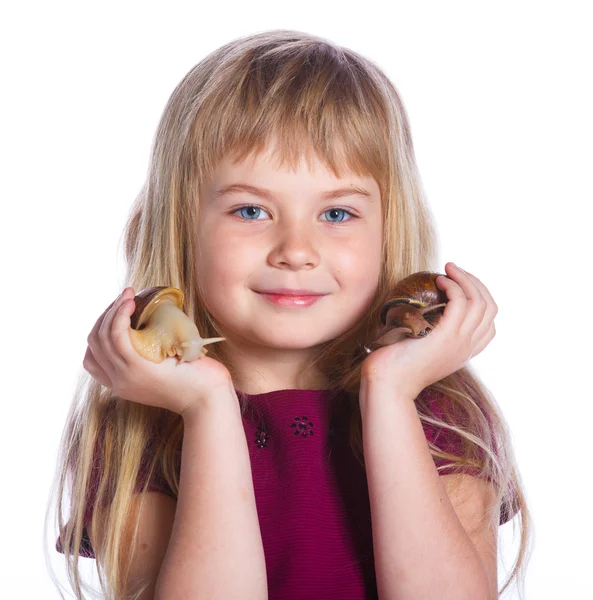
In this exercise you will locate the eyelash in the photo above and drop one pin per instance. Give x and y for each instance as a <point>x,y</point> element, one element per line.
<point>332,208</point>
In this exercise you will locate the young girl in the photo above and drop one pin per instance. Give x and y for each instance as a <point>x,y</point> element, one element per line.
<point>283,198</point>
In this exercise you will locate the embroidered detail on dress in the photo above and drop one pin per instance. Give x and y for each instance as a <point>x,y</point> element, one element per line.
<point>301,426</point>
<point>261,438</point>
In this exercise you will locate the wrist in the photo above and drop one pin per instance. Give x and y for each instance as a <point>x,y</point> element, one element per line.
<point>220,397</point>
<point>394,388</point>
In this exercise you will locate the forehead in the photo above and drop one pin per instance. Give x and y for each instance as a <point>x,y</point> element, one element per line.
<point>268,166</point>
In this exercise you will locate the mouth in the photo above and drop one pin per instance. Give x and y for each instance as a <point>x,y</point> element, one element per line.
<point>291,300</point>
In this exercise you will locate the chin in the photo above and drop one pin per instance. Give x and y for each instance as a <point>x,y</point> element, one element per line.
<point>284,340</point>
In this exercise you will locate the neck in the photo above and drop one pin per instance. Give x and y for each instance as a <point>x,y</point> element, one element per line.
<point>260,370</point>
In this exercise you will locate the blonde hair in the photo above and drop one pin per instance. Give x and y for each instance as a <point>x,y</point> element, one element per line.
<point>317,99</point>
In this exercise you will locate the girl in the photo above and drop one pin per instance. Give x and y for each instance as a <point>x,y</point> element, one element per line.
<point>282,465</point>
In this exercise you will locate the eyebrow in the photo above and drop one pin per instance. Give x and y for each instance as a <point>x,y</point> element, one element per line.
<point>268,195</point>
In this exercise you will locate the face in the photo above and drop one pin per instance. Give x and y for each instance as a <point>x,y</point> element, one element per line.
<point>292,238</point>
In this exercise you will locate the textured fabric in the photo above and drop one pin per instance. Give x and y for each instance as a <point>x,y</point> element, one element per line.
<point>311,495</point>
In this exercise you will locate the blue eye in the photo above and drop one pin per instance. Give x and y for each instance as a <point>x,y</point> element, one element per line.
<point>340,210</point>
<point>252,208</point>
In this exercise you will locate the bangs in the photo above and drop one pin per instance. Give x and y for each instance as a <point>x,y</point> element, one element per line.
<point>305,102</point>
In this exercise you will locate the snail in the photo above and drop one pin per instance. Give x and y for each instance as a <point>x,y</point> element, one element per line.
<point>412,309</point>
<point>159,328</point>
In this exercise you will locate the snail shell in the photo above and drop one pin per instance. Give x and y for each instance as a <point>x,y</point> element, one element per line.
<point>159,328</point>
<point>412,309</point>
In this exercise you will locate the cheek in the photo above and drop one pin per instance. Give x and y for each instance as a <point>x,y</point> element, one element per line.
<point>360,263</point>
<point>218,281</point>
<point>222,262</point>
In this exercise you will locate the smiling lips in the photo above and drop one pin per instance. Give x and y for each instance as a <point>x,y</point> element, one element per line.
<point>291,292</point>
<point>291,298</point>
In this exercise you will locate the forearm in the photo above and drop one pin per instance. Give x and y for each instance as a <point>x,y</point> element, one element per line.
<point>421,549</point>
<point>216,549</point>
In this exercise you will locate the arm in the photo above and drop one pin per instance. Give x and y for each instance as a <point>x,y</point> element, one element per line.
<point>421,548</point>
<point>215,550</point>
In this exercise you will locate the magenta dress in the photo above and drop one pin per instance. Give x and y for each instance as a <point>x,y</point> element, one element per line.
<point>311,495</point>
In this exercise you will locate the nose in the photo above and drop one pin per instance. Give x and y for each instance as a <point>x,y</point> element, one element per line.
<point>295,247</point>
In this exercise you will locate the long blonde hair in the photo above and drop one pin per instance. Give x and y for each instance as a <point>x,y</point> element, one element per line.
<point>317,99</point>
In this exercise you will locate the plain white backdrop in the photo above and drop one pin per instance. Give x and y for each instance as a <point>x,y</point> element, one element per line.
<point>499,97</point>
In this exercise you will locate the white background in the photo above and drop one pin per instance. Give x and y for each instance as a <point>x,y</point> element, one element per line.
<point>500,100</point>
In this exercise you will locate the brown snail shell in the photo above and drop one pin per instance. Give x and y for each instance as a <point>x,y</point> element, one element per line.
<point>412,309</point>
<point>159,328</point>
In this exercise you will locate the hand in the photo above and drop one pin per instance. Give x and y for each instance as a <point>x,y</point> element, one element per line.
<point>463,331</point>
<point>112,361</point>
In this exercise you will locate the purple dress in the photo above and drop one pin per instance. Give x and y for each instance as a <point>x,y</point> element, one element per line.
<point>311,495</point>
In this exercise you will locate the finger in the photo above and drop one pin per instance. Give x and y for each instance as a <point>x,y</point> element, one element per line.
<point>476,303</point>
<point>105,336</point>
<point>95,343</point>
<point>454,312</point>
<point>492,306</point>
<point>96,327</point>
<point>94,369</point>
<point>485,340</point>
<point>120,331</point>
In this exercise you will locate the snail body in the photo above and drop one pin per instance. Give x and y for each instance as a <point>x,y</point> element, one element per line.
<point>160,329</point>
<point>412,309</point>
